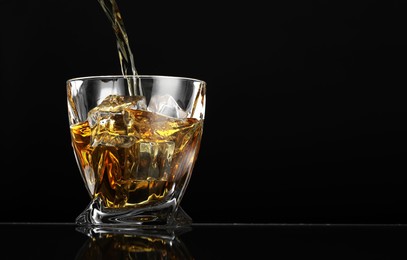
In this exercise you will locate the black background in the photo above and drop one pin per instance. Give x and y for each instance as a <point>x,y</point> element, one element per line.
<point>305,112</point>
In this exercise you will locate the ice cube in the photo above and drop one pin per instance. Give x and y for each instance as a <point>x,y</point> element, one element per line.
<point>166,105</point>
<point>109,121</point>
<point>153,160</point>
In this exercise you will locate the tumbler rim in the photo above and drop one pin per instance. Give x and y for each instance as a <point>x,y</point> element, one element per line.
<point>138,76</point>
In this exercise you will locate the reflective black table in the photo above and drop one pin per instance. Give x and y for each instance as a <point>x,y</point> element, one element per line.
<point>207,241</point>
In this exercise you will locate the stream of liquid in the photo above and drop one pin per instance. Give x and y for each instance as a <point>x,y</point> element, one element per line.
<point>126,58</point>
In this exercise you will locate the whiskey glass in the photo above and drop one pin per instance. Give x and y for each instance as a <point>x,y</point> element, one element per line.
<point>136,140</point>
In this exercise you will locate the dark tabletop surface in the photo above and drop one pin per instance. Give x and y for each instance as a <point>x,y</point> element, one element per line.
<point>207,241</point>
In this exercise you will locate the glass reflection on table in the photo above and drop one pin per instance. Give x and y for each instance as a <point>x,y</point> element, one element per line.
<point>133,244</point>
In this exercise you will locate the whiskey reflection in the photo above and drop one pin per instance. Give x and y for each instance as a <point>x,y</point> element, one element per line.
<point>133,244</point>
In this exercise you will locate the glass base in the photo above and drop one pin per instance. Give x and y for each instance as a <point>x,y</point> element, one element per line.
<point>102,231</point>
<point>164,215</point>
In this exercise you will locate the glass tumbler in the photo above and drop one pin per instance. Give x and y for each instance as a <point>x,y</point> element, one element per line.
<point>136,140</point>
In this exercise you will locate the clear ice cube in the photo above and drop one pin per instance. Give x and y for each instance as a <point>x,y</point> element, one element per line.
<point>110,120</point>
<point>166,105</point>
<point>153,160</point>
